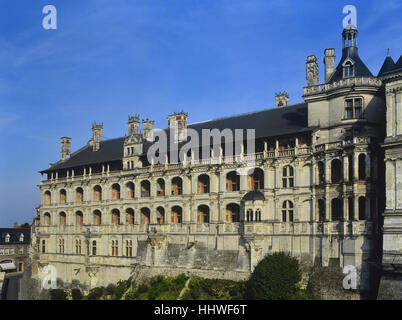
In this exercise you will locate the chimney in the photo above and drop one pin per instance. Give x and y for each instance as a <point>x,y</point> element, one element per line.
<point>148,129</point>
<point>65,148</point>
<point>282,99</point>
<point>312,71</point>
<point>97,130</point>
<point>16,225</point>
<point>178,124</point>
<point>133,125</point>
<point>329,61</point>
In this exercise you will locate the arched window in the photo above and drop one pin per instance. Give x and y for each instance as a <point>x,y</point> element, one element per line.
<point>176,215</point>
<point>145,216</point>
<point>348,69</point>
<point>232,213</point>
<point>177,186</point>
<point>288,177</point>
<point>160,185</point>
<point>48,197</point>
<point>116,191</point>
<point>321,210</point>
<point>249,215</point>
<point>336,171</point>
<point>129,216</point>
<point>203,184</point>
<point>362,166</point>
<point>115,216</point>
<point>287,211</point>
<point>79,195</point>
<point>94,247</point>
<point>97,193</point>
<point>258,215</point>
<point>337,209</point>
<point>256,179</point>
<point>47,219</point>
<point>203,214</point>
<point>321,173</point>
<point>63,196</point>
<point>145,189</point>
<point>362,208</point>
<point>130,190</point>
<point>350,165</point>
<point>160,215</point>
<point>232,181</point>
<point>79,218</point>
<point>63,219</point>
<point>97,217</point>
<point>351,207</point>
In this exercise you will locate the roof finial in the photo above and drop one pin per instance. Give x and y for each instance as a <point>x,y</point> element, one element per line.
<point>388,55</point>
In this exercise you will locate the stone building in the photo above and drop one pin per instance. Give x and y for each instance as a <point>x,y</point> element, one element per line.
<point>391,284</point>
<point>317,190</point>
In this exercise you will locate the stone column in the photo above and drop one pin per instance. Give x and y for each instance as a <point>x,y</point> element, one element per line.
<point>243,183</point>
<point>346,168</point>
<point>345,209</point>
<point>355,167</point>
<point>222,181</point>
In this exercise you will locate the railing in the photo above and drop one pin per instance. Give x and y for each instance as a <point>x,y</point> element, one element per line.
<point>361,81</point>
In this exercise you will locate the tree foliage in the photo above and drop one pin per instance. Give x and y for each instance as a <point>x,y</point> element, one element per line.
<point>274,278</point>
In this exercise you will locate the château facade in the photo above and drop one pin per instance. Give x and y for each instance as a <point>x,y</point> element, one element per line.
<point>317,190</point>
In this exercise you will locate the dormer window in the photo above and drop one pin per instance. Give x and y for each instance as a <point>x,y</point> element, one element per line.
<point>354,108</point>
<point>21,237</point>
<point>348,69</point>
<point>7,238</point>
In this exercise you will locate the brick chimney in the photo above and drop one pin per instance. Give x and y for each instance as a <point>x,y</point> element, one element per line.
<point>148,129</point>
<point>329,61</point>
<point>282,99</point>
<point>65,148</point>
<point>97,130</point>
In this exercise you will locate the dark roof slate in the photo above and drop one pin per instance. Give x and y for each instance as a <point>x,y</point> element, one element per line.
<point>253,196</point>
<point>390,67</point>
<point>267,123</point>
<point>360,68</point>
<point>15,235</point>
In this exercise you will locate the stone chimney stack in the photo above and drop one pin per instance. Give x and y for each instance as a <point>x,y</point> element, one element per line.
<point>282,99</point>
<point>97,130</point>
<point>178,125</point>
<point>65,148</point>
<point>148,129</point>
<point>312,71</point>
<point>134,125</point>
<point>329,61</point>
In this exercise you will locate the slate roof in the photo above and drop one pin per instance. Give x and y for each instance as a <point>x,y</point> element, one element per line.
<point>390,67</point>
<point>15,235</point>
<point>360,68</point>
<point>267,123</point>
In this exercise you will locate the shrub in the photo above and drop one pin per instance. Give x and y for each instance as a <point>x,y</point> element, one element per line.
<point>142,288</point>
<point>58,294</point>
<point>76,294</point>
<point>180,280</point>
<point>274,278</point>
<point>110,289</point>
<point>131,295</point>
<point>96,293</point>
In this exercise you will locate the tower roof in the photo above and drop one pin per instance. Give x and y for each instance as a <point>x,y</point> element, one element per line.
<point>390,67</point>
<point>350,51</point>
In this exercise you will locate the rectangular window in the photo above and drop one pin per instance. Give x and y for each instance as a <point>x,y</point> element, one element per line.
<point>354,108</point>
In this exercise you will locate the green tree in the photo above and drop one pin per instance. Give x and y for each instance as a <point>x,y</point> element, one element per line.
<point>76,294</point>
<point>274,278</point>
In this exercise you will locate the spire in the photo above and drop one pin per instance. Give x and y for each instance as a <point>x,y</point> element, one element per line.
<point>387,66</point>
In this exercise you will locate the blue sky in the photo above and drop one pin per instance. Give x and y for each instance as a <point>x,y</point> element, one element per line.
<point>111,58</point>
